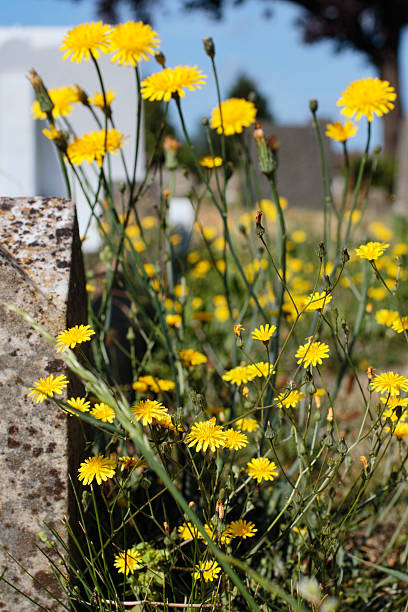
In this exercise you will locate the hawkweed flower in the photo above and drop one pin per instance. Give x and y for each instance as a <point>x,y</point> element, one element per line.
<point>235,440</point>
<point>289,400</point>
<point>85,40</point>
<point>98,101</point>
<point>264,333</point>
<point>210,162</point>
<point>394,408</point>
<point>389,383</point>
<point>127,561</point>
<point>241,529</point>
<point>131,42</point>
<point>237,113</point>
<point>47,387</point>
<point>367,96</point>
<point>312,353</point>
<point>187,530</point>
<point>173,320</point>
<point>129,463</point>
<point>238,329</point>
<point>340,132</point>
<point>206,434</point>
<point>318,301</point>
<point>207,571</point>
<point>190,357</point>
<point>260,368</point>
<point>401,430</point>
<point>239,375</point>
<point>99,467</point>
<point>261,469</point>
<point>103,413</point>
<point>94,146</point>
<point>62,99</point>
<point>79,403</point>
<point>57,137</point>
<point>73,336</point>
<point>371,250</point>
<point>171,81</point>
<point>149,410</point>
<point>247,424</point>
<point>400,325</point>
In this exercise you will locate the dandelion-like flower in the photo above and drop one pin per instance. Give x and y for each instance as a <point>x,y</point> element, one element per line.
<point>340,132</point>
<point>242,529</point>
<point>94,146</point>
<point>127,561</point>
<point>312,353</point>
<point>186,531</point>
<point>148,410</point>
<point>47,387</point>
<point>365,97</point>
<point>207,571</point>
<point>62,97</point>
<point>386,317</point>
<point>153,384</point>
<point>73,336</point>
<point>98,101</point>
<point>234,440</point>
<point>103,413</point>
<point>210,162</point>
<point>99,467</point>
<point>247,424</point>
<point>190,357</point>
<point>239,375</point>
<point>170,81</point>
<point>237,113</point>
<point>264,333</point>
<point>86,39</point>
<point>318,301</point>
<point>401,430</point>
<point>262,469</point>
<point>173,320</point>
<point>206,434</point>
<point>389,383</point>
<point>131,42</point>
<point>400,325</point>
<point>79,403</point>
<point>371,250</point>
<point>291,399</point>
<point>259,369</point>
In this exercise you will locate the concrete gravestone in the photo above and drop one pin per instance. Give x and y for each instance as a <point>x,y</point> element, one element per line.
<point>41,272</point>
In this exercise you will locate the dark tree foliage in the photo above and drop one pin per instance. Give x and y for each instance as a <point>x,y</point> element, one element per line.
<point>373,27</point>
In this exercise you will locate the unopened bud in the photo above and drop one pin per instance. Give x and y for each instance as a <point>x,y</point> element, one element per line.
<point>166,194</point>
<point>160,59</point>
<point>273,144</point>
<point>330,415</point>
<point>313,105</point>
<point>364,462</point>
<point>191,504</point>
<point>166,527</point>
<point>205,121</point>
<point>260,230</point>
<point>209,46</point>
<point>82,96</point>
<point>245,391</point>
<point>345,257</point>
<point>322,250</point>
<point>219,508</point>
<point>41,93</point>
<point>258,134</point>
<point>370,373</point>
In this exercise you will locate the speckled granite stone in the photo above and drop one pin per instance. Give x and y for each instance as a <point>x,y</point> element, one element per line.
<point>41,272</point>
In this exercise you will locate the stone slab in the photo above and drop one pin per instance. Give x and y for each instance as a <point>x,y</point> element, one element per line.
<point>41,272</point>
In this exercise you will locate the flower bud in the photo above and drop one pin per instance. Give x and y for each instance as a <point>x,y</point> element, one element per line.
<point>41,93</point>
<point>219,508</point>
<point>259,134</point>
<point>209,46</point>
<point>82,96</point>
<point>205,121</point>
<point>313,105</point>
<point>160,59</point>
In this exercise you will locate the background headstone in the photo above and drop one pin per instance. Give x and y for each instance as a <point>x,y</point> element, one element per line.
<point>39,444</point>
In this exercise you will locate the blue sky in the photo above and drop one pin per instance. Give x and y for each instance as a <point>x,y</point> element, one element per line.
<point>271,51</point>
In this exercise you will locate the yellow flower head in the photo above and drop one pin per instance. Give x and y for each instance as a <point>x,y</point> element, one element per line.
<point>399,326</point>
<point>46,387</point>
<point>241,529</point>
<point>341,132</point>
<point>386,317</point>
<point>238,329</point>
<point>318,301</point>
<point>86,39</point>
<point>186,531</point>
<point>401,430</point>
<point>191,357</point>
<point>247,424</point>
<point>234,440</point>
<point>389,383</point>
<point>97,99</point>
<point>365,97</point>
<point>264,333</point>
<point>73,336</point>
<point>103,413</point>
<point>371,250</point>
<point>173,320</point>
<point>312,353</point>
<point>259,369</point>
<point>291,399</point>
<point>239,375</point>
<point>79,403</point>
<point>236,113</point>
<point>206,434</point>
<point>170,81</point>
<point>132,41</point>
<point>63,98</point>
<point>127,561</point>
<point>93,146</point>
<point>207,571</point>
<point>149,410</point>
<point>211,162</point>
<point>99,467</point>
<point>377,293</point>
<point>262,469</point>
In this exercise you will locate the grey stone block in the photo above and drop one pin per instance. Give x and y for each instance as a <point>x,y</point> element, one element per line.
<point>41,272</point>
